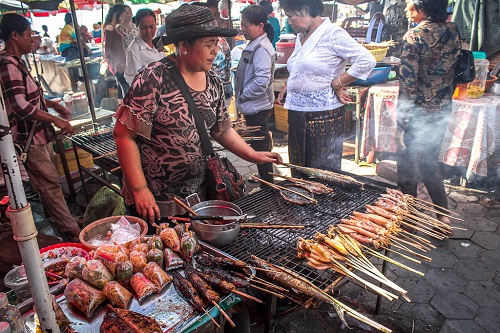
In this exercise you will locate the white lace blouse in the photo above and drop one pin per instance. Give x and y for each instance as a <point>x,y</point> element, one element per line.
<point>315,64</point>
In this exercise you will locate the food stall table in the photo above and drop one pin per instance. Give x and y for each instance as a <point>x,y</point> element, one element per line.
<point>472,136</point>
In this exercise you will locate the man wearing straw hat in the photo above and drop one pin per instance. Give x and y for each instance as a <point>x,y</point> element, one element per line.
<point>157,142</point>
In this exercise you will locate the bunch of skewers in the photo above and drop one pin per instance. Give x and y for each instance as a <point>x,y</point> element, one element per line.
<point>345,247</point>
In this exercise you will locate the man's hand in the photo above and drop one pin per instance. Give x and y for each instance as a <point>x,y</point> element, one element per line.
<point>65,126</point>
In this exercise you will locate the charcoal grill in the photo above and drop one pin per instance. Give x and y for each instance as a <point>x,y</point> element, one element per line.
<point>278,246</point>
<point>100,143</point>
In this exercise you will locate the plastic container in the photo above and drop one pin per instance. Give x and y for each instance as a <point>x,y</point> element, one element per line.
<point>11,314</point>
<point>17,280</point>
<point>5,327</point>
<point>476,88</point>
<point>285,47</point>
<point>81,104</point>
<point>377,75</point>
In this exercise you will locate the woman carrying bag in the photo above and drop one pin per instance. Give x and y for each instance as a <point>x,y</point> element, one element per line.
<point>158,144</point>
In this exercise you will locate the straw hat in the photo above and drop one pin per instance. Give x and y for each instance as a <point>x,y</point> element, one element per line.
<point>192,22</point>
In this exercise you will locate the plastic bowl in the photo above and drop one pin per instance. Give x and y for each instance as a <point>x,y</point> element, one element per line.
<point>377,75</point>
<point>489,82</point>
<point>17,280</point>
<point>102,226</point>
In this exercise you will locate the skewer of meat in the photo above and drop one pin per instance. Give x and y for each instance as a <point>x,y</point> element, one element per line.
<point>206,292</point>
<point>223,262</point>
<point>189,292</point>
<point>311,186</point>
<point>224,275</point>
<point>224,287</point>
<point>291,194</point>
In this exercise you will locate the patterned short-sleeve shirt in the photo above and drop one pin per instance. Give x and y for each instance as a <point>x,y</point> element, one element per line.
<point>168,141</point>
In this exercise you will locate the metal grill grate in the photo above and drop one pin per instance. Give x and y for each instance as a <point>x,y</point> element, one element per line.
<point>99,142</point>
<point>278,246</point>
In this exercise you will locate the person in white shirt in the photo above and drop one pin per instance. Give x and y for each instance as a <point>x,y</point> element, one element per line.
<point>141,51</point>
<point>316,88</point>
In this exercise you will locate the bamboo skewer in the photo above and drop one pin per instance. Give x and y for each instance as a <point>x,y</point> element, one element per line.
<point>299,180</point>
<point>281,188</point>
<point>247,296</point>
<point>224,314</point>
<point>270,226</point>
<point>264,282</point>
<point>213,320</point>
<point>269,291</point>
<point>104,155</point>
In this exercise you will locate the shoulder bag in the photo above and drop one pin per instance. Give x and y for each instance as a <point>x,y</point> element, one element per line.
<point>224,181</point>
<point>465,69</point>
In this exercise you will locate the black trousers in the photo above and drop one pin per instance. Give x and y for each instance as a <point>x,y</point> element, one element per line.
<point>423,139</point>
<point>122,84</point>
<point>261,119</point>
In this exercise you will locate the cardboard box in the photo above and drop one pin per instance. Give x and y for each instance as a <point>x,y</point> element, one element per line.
<point>85,158</point>
<point>281,118</point>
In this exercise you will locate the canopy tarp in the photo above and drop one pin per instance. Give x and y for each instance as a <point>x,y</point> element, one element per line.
<point>12,5</point>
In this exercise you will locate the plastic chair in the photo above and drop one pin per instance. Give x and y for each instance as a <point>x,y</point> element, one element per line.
<point>377,20</point>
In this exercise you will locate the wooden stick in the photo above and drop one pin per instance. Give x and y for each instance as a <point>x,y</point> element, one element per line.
<point>115,169</point>
<point>286,189</point>
<point>224,314</point>
<point>268,291</point>
<point>104,155</point>
<point>187,208</point>
<point>267,284</point>
<point>299,180</point>
<point>182,219</point>
<point>270,226</point>
<point>213,320</point>
<point>247,296</point>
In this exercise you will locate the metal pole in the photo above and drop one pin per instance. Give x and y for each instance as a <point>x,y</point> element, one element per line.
<point>23,226</point>
<point>474,42</point>
<point>82,62</point>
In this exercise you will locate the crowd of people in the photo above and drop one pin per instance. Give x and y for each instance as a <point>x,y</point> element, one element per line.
<point>158,145</point>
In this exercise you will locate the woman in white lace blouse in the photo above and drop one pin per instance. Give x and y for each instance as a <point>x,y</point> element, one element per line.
<point>316,88</point>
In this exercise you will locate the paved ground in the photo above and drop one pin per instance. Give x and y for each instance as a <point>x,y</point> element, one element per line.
<point>460,291</point>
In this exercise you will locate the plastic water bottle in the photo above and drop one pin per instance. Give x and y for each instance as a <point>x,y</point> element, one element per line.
<point>11,314</point>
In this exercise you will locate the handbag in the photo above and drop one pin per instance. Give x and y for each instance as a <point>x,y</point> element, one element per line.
<point>465,69</point>
<point>224,181</point>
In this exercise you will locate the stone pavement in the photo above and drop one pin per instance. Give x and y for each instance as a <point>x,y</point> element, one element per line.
<point>460,292</point>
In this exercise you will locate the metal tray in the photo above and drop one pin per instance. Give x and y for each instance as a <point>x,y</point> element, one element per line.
<point>167,307</point>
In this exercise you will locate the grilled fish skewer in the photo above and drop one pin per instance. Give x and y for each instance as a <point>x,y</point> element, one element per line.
<point>206,292</point>
<point>189,292</point>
